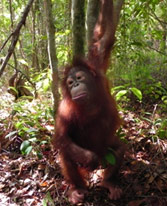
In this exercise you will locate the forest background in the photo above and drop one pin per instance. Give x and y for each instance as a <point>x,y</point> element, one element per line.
<point>34,47</point>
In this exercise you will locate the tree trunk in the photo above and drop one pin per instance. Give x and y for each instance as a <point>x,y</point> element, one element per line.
<point>52,52</point>
<point>91,19</point>
<point>35,61</point>
<point>78,27</point>
<point>41,29</point>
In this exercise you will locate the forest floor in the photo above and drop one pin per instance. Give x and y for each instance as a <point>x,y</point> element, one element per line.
<point>30,181</point>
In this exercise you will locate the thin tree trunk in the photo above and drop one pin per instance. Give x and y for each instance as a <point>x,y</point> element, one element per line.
<point>52,52</point>
<point>41,31</point>
<point>91,19</point>
<point>78,27</point>
<point>35,62</point>
<point>117,9</point>
<point>12,25</point>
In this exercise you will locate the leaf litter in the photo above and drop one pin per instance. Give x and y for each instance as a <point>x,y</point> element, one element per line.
<point>29,181</point>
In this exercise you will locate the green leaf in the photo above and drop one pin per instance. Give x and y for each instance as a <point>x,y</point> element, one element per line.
<point>120,94</point>
<point>19,125</point>
<point>120,133</point>
<point>14,89</point>
<point>28,150</point>
<point>25,147</point>
<point>162,134</point>
<point>164,98</point>
<point>39,155</point>
<point>110,158</point>
<point>137,43</point>
<point>137,93</point>
<point>10,134</point>
<point>32,130</point>
<point>118,87</point>
<point>46,84</point>
<point>48,200</point>
<point>34,139</point>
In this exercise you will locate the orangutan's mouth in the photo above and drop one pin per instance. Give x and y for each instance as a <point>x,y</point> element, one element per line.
<point>79,96</point>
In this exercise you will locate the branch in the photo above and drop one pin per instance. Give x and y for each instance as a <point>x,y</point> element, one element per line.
<point>15,36</point>
<point>157,18</point>
<point>6,42</point>
<point>156,50</point>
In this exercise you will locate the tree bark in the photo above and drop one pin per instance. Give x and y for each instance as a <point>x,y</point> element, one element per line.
<point>78,27</point>
<point>52,52</point>
<point>91,19</point>
<point>35,61</point>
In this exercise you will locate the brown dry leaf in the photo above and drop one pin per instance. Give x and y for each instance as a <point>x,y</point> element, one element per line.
<point>160,183</point>
<point>4,157</point>
<point>2,186</point>
<point>151,179</point>
<point>44,184</point>
<point>164,175</point>
<point>41,166</point>
<point>135,203</point>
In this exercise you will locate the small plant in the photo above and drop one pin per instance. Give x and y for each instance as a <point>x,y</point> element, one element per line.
<point>48,200</point>
<point>122,91</point>
<point>26,147</point>
<point>29,122</point>
<point>155,91</point>
<point>158,127</point>
<point>162,128</point>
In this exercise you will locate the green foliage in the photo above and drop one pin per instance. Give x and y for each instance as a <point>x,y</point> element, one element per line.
<point>158,126</point>
<point>48,200</point>
<point>63,50</point>
<point>139,59</point>
<point>11,134</point>
<point>28,120</point>
<point>25,147</point>
<point>122,91</point>
<point>136,92</point>
<point>121,134</point>
<point>161,125</point>
<point>14,90</point>
<point>110,158</point>
<point>155,91</point>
